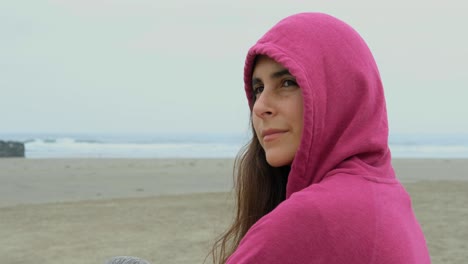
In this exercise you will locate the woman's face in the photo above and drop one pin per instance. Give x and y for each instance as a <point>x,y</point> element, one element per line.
<point>277,113</point>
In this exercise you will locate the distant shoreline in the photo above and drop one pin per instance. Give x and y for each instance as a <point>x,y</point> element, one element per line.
<point>205,145</point>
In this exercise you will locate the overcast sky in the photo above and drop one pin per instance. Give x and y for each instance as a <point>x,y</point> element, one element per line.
<point>176,66</point>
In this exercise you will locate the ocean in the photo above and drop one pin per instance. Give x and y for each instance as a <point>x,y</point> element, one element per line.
<point>209,145</point>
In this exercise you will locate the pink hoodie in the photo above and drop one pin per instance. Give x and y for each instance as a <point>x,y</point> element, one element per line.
<point>343,203</point>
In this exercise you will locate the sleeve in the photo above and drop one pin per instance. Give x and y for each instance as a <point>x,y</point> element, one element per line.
<point>292,233</point>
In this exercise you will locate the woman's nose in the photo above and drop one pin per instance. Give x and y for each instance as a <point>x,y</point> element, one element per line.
<point>264,105</point>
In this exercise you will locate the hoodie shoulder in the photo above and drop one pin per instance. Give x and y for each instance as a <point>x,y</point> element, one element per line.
<point>344,219</point>
<point>304,229</point>
<point>282,236</point>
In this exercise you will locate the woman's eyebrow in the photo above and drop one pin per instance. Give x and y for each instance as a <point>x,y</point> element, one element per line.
<point>274,75</point>
<point>279,74</point>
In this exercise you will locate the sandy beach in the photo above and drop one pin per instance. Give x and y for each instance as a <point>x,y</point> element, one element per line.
<point>170,211</point>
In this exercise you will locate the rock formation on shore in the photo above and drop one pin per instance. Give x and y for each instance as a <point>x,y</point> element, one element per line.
<point>11,149</point>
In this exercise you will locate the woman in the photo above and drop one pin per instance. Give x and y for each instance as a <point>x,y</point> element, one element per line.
<point>316,184</point>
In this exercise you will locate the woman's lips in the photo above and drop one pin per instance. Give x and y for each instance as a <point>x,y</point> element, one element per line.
<point>272,134</point>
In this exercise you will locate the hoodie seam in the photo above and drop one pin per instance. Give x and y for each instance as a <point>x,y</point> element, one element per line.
<point>376,224</point>
<point>371,178</point>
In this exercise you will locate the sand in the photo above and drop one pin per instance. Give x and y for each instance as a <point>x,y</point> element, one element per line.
<point>170,211</point>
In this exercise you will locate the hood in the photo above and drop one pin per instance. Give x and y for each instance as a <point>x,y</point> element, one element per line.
<point>345,118</point>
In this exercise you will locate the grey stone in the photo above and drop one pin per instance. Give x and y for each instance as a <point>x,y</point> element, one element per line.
<point>11,149</point>
<point>126,260</point>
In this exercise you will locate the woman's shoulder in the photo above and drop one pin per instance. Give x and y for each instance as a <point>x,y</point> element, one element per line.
<point>321,210</point>
<point>338,195</point>
<point>309,225</point>
<point>290,233</point>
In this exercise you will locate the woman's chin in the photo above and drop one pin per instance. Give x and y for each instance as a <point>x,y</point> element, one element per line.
<point>276,161</point>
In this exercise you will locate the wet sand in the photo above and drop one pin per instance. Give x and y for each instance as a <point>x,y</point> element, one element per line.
<point>170,211</point>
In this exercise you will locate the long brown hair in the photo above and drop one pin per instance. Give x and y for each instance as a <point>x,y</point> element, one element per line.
<point>258,187</point>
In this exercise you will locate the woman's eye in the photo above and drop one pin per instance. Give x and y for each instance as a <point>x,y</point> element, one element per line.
<point>257,90</point>
<point>288,83</point>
